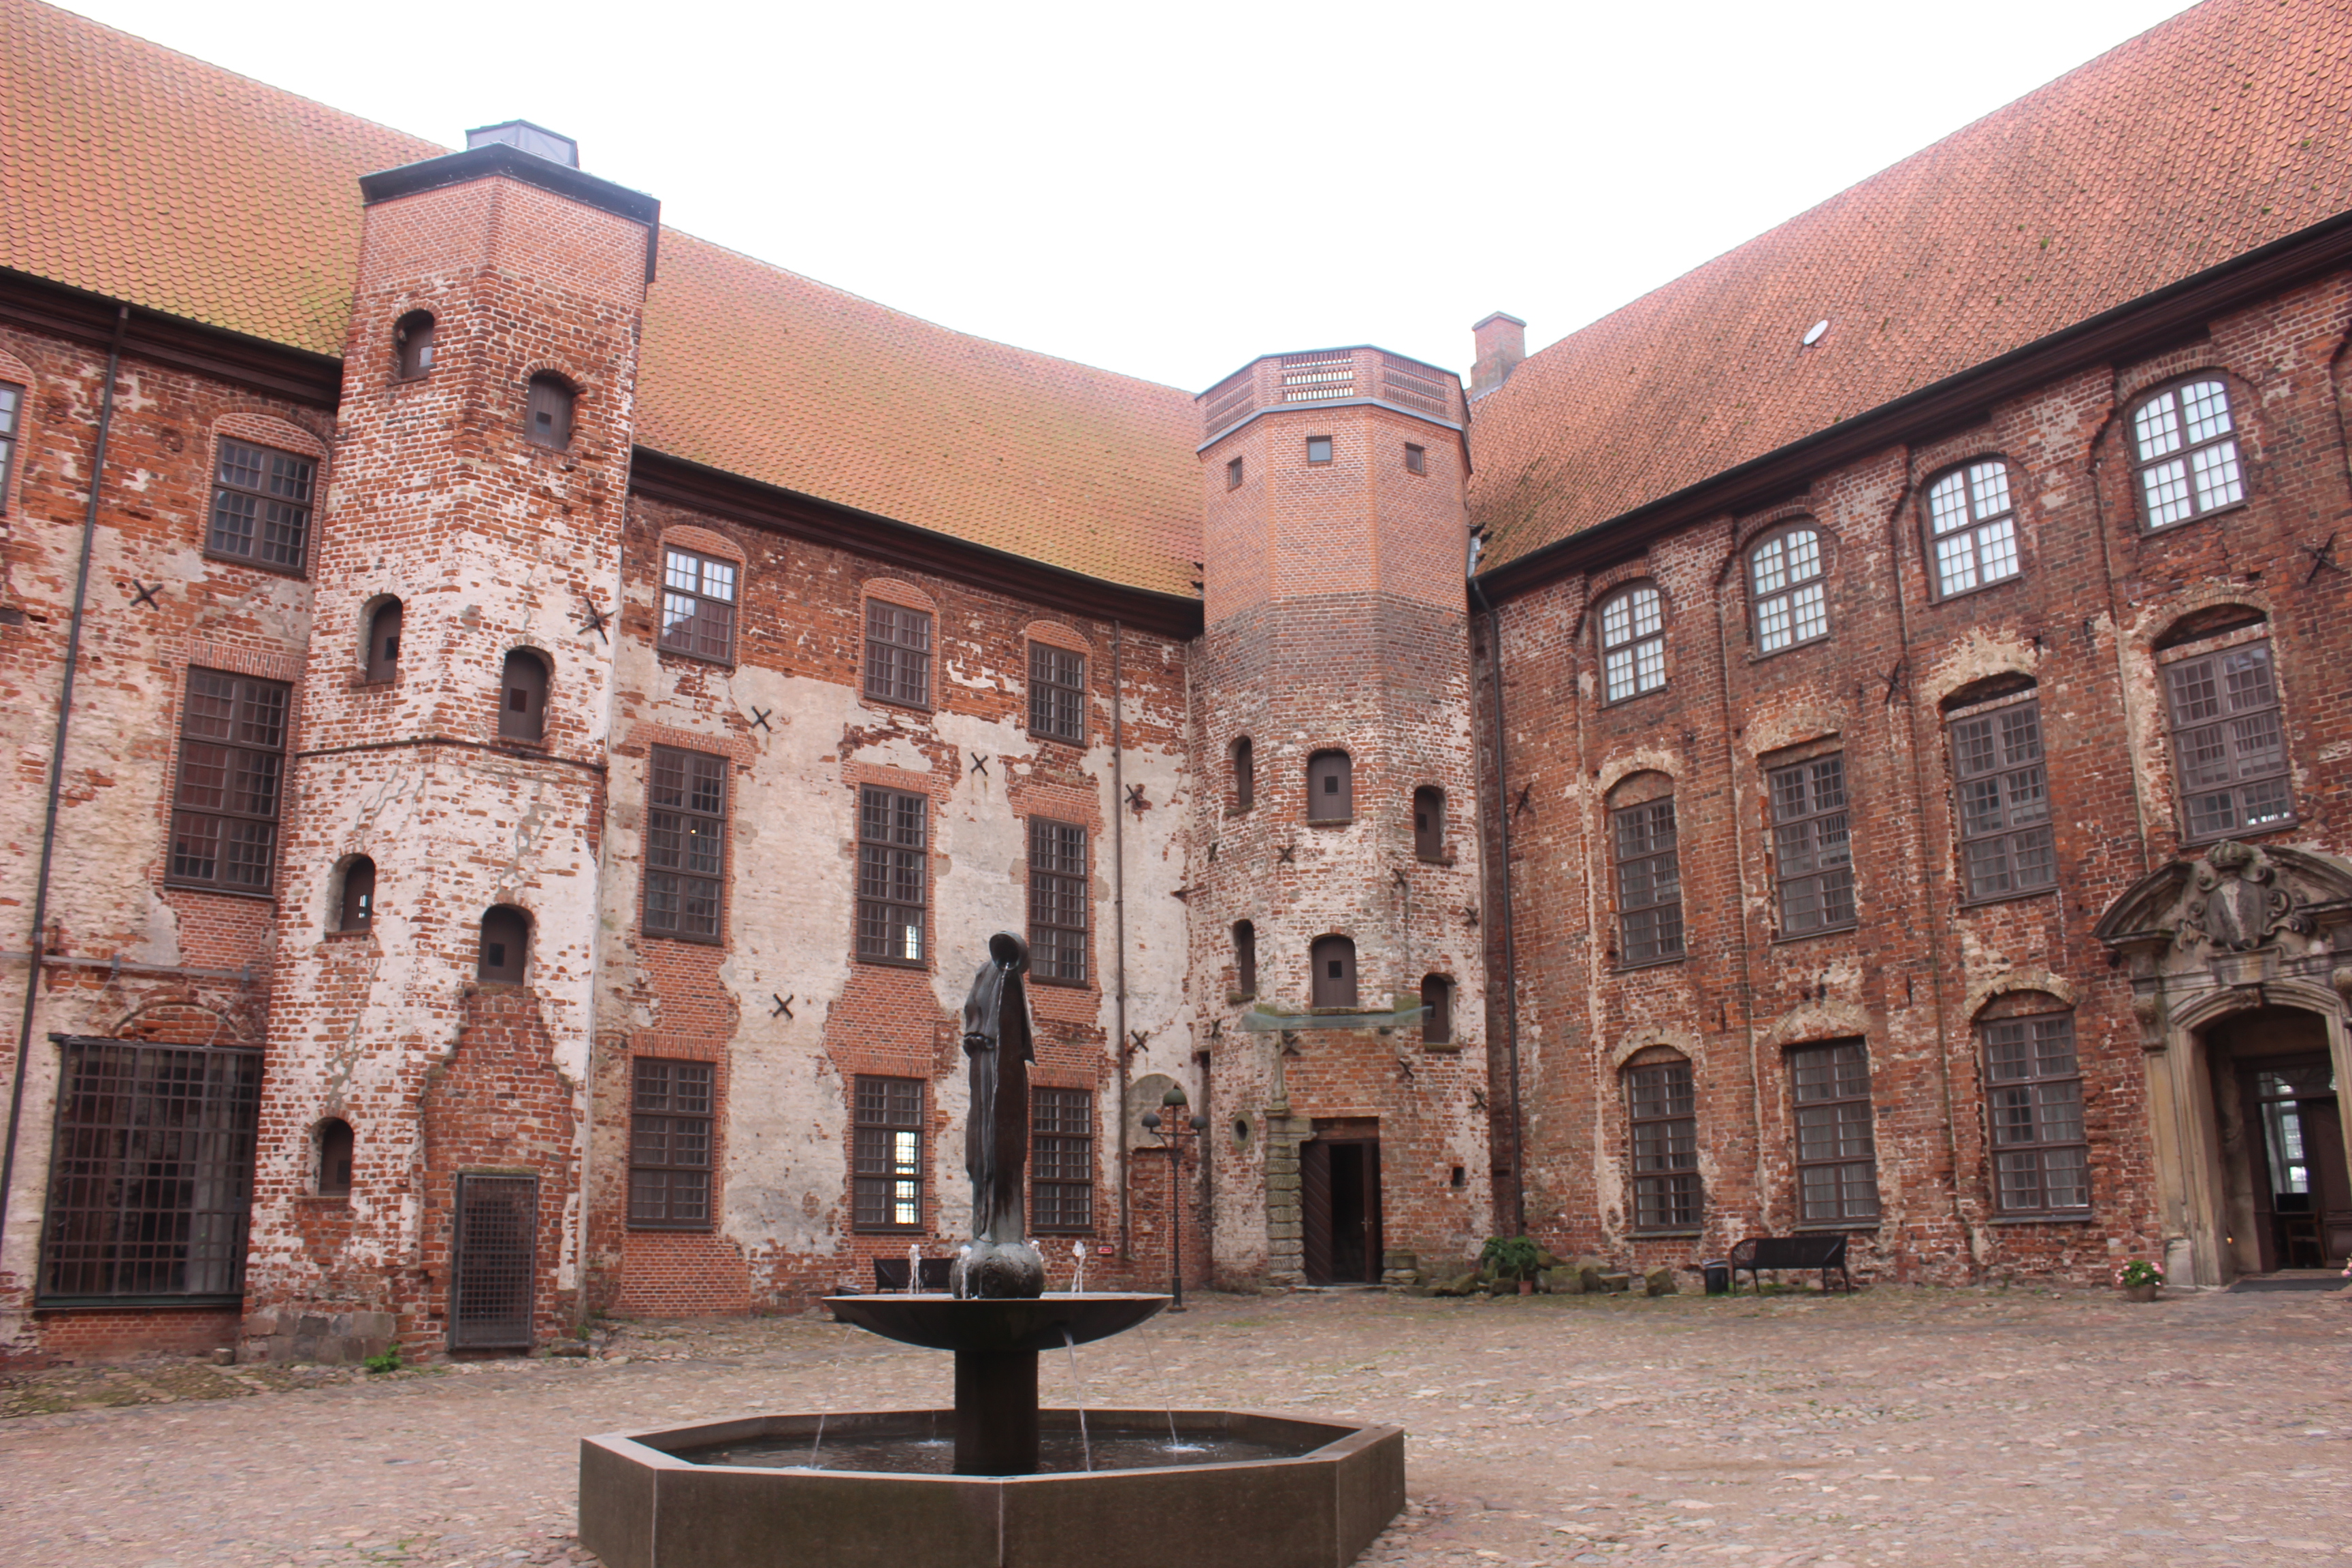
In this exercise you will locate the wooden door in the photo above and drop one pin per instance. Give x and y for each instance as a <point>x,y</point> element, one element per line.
<point>1315,1210</point>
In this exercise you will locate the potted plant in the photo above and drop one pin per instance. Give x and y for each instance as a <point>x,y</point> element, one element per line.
<point>2140,1280</point>
<point>1513,1258</point>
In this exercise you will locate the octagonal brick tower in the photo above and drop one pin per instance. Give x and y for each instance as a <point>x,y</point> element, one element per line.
<point>1336,824</point>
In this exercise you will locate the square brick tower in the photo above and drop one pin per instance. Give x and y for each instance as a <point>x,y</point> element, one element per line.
<point>423,1118</point>
<point>1335,934</point>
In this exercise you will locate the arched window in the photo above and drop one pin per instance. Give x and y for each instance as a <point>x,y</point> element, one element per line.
<point>1330,788</point>
<point>1334,958</point>
<point>1245,775</point>
<point>1245,958</point>
<point>1634,642</point>
<point>355,905</point>
<point>334,1158</point>
<point>1973,524</point>
<point>1429,823</point>
<point>522,696</point>
<point>412,346</point>
<point>2228,740</point>
<point>381,658</point>
<point>548,414</point>
<point>1661,1107</point>
<point>505,955</point>
<point>1437,1024</point>
<point>2185,447</point>
<point>1785,570</point>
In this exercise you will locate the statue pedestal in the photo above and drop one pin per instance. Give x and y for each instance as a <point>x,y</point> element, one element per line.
<point>995,1412</point>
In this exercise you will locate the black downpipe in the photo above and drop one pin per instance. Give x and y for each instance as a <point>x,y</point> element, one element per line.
<point>1510,947</point>
<point>33,949</point>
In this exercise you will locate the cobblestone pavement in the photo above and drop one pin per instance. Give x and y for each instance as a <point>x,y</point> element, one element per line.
<point>1895,1427</point>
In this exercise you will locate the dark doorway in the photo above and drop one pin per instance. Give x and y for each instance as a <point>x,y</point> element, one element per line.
<point>1339,1202</point>
<point>2281,1135</point>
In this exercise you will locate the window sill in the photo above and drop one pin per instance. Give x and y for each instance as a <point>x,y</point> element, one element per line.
<point>925,709</point>
<point>1076,742</point>
<point>1992,899</point>
<point>648,932</point>
<point>323,1201</point>
<point>1037,979</point>
<point>2148,532</point>
<point>1834,1227</point>
<point>1791,648</point>
<point>2268,828</point>
<point>263,895</point>
<point>1638,966</point>
<point>372,683</point>
<point>1633,696</point>
<point>889,1230</point>
<point>541,746</point>
<point>695,1227</point>
<point>1846,929</point>
<point>1448,859</point>
<point>1330,822</point>
<point>363,932</point>
<point>1440,1047</point>
<point>1693,1231</point>
<point>895,963</point>
<point>1234,811</point>
<point>2068,1217</point>
<point>126,1303</point>
<point>665,651</point>
<point>299,573</point>
<point>1957,595</point>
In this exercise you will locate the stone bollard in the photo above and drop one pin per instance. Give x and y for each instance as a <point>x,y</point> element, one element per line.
<point>1563,1281</point>
<point>1659,1283</point>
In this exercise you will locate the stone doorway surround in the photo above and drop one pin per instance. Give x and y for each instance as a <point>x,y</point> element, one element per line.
<point>2238,929</point>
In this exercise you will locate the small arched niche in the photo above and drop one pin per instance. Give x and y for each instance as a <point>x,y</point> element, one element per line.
<point>1437,1024</point>
<point>380,655</point>
<point>548,417</point>
<point>1330,788</point>
<point>1244,773</point>
<point>1429,823</point>
<point>522,696</point>
<point>412,346</point>
<point>503,957</point>
<point>355,895</point>
<point>1334,962</point>
<point>1245,958</point>
<point>334,1146</point>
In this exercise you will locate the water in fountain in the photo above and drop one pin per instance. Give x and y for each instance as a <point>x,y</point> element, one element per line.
<point>818,1445</point>
<point>1078,1270</point>
<point>1151,1351</point>
<point>913,1266</point>
<point>1078,1398</point>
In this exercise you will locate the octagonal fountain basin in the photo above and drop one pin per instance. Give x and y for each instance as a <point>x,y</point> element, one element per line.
<point>876,1490</point>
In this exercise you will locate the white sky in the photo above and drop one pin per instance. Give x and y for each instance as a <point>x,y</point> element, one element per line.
<point>1170,190</point>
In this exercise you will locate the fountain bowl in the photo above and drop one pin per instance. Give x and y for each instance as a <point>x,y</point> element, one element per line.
<point>996,1325</point>
<point>1339,1485</point>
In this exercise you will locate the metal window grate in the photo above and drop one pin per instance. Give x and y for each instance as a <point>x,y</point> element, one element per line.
<point>2228,742</point>
<point>232,765</point>
<point>2033,1099</point>
<point>11,404</point>
<point>2004,801</point>
<point>497,1253</point>
<point>150,1172</point>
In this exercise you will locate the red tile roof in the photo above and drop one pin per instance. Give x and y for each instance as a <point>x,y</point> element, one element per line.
<point>142,174</point>
<point>2220,131</point>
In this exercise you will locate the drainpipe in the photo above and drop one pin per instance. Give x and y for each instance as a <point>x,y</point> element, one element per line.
<point>58,763</point>
<point>1510,949</point>
<point>1731,794</point>
<point>1118,919</point>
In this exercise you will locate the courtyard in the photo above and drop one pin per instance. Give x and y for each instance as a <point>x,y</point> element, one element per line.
<point>1895,1426</point>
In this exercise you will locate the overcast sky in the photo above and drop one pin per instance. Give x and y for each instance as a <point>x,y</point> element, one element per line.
<point>1169,190</point>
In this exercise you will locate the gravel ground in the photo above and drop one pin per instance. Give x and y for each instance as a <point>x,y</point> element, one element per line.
<point>1896,1426</point>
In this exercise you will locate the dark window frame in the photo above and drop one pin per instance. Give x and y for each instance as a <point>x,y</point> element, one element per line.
<point>1416,458</point>
<point>2002,819</point>
<point>379,656</point>
<point>338,1157</point>
<point>685,846</point>
<point>1346,775</point>
<point>2185,451</point>
<point>517,973</point>
<point>881,1182</point>
<point>1646,851</point>
<point>2029,1091</point>
<point>1834,1111</point>
<point>1429,842</point>
<point>412,354</point>
<point>673,1144</point>
<point>355,895</point>
<point>1438,993</point>
<point>706,628</point>
<point>559,411</point>
<point>1327,990</point>
<point>2224,726</point>
<point>1058,692</point>
<point>1638,650</point>
<point>1061,1161</point>
<point>887,859</point>
<point>1662,1145</point>
<point>1244,935</point>
<point>525,720</point>
<point>1234,473</point>
<point>261,490</point>
<point>898,666</point>
<point>1061,938</point>
<point>1243,756</point>
<point>243,765</point>
<point>1970,524</point>
<point>1812,847</point>
<point>1331,450</point>
<point>12,435</point>
<point>1791,589</point>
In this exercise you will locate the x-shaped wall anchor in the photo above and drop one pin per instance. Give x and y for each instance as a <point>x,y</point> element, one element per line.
<point>1521,806</point>
<point>1284,854</point>
<point>2321,555</point>
<point>1470,917</point>
<point>1894,676</point>
<point>1135,800</point>
<point>978,764</point>
<point>784,1007</point>
<point>144,594</point>
<point>594,619</point>
<point>759,717</point>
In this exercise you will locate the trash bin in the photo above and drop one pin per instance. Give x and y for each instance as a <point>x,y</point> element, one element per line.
<point>1718,1272</point>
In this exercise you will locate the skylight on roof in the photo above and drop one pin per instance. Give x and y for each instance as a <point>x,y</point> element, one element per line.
<point>1813,334</point>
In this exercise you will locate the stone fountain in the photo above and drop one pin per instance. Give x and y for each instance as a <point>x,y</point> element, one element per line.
<point>1149,1488</point>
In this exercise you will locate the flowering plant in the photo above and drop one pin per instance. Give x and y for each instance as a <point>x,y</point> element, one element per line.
<point>2139,1271</point>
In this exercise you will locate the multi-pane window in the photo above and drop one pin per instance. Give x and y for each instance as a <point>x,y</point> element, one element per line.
<point>2186,448</point>
<point>2004,801</point>
<point>889,1157</point>
<point>1233,474</point>
<point>669,1145</point>
<point>1975,527</point>
<point>2229,745</point>
<point>1058,692</point>
<point>1416,458</point>
<point>261,505</point>
<point>1662,1106</point>
<point>893,874</point>
<point>232,766</point>
<point>897,654</point>
<point>697,604</point>
<point>1061,1161</point>
<point>150,1176</point>
<point>1791,595</point>
<point>1634,642</point>
<point>12,414</point>
<point>1057,901</point>
<point>1837,1158</point>
<point>686,843</point>
<point>2034,1093</point>
<point>1813,852</point>
<point>1649,883</point>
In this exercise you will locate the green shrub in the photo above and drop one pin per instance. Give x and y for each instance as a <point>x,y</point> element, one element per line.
<point>1516,1257</point>
<point>386,1361</point>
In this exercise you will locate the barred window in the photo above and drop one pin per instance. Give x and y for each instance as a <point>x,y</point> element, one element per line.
<point>1791,595</point>
<point>261,506</point>
<point>889,1157</point>
<point>669,1145</point>
<point>150,1173</point>
<point>897,654</point>
<point>1062,1160</point>
<point>1662,1106</point>
<point>1975,527</point>
<point>894,874</point>
<point>2185,447</point>
<point>232,766</point>
<point>2004,801</point>
<point>697,604</point>
<point>1058,901</point>
<point>2229,741</point>
<point>2034,1093</point>
<point>1649,883</point>
<point>1837,1158</point>
<point>1058,692</point>
<point>685,844</point>
<point>1634,642</point>
<point>12,414</point>
<point>1810,844</point>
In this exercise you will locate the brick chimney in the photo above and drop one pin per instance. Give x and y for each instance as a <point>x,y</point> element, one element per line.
<point>1502,345</point>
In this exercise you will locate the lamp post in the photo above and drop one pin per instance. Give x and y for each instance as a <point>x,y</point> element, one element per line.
<point>1174,1101</point>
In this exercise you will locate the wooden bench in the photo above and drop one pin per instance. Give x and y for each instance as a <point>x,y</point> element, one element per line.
<point>1822,1252</point>
<point>890,1273</point>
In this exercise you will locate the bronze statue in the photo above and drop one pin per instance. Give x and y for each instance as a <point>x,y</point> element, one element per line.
<point>998,1042</point>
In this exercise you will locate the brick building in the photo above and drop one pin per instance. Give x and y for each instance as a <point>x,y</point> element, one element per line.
<point>525,720</point>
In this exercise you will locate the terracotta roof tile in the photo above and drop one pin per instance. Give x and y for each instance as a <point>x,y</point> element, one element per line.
<point>2214,133</point>
<point>144,174</point>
